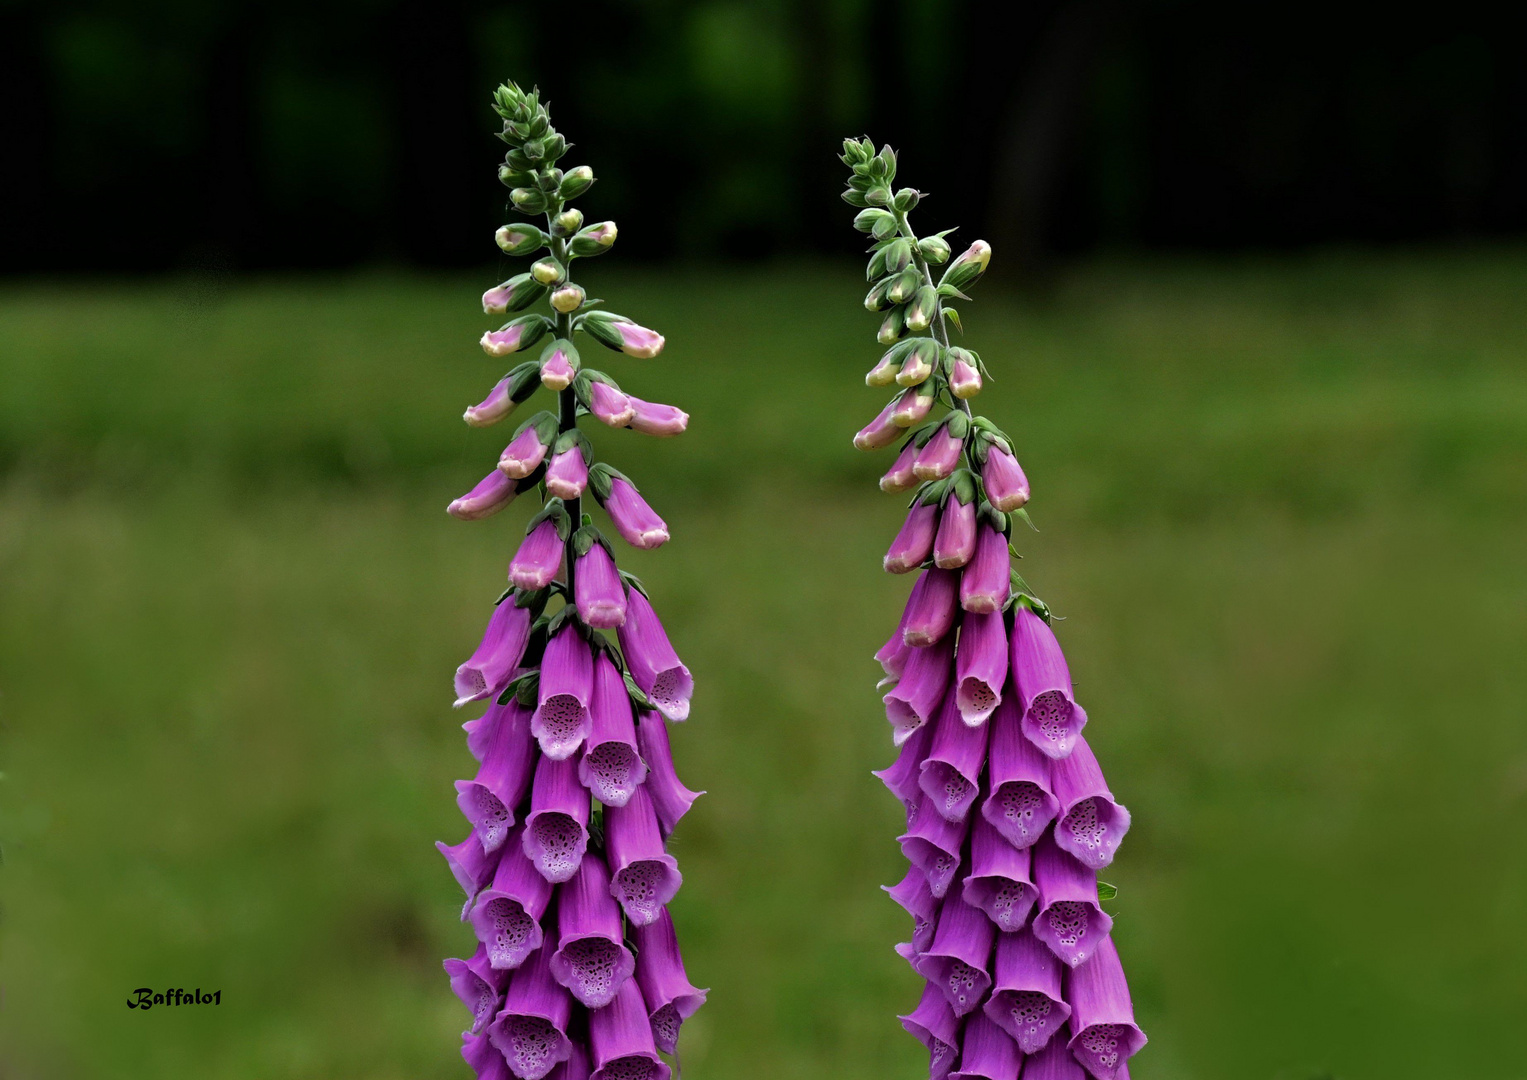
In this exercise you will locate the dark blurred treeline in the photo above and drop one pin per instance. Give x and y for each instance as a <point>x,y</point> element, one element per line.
<point>147,134</point>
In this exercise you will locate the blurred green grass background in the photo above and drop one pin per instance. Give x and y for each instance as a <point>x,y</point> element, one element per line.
<point>1282,506</point>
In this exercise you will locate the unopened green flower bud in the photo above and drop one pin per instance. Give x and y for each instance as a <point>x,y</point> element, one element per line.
<point>892,328</point>
<point>906,199</point>
<point>903,286</point>
<point>867,220</point>
<point>520,239</point>
<point>567,222</point>
<point>876,268</point>
<point>968,268</point>
<point>898,255</point>
<point>885,227</point>
<point>594,240</point>
<point>878,196</point>
<point>535,149</point>
<point>556,146</point>
<point>934,248</point>
<point>516,294</point>
<point>921,311</point>
<point>576,182</point>
<point>567,298</point>
<point>875,299</point>
<point>528,200</point>
<point>855,197</point>
<point>547,271</point>
<point>515,158</point>
<point>548,180</point>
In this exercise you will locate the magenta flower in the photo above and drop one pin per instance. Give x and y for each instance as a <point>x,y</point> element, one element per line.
<point>611,766</point>
<point>903,778</point>
<point>643,876</point>
<point>986,583</point>
<point>557,828</point>
<point>503,342</point>
<point>621,1037</point>
<point>488,670</point>
<point>528,448</point>
<point>986,1052</point>
<point>493,408</point>
<point>479,986</point>
<point>955,544</point>
<point>601,597</point>
<point>489,799</point>
<point>650,418</point>
<point>964,379</point>
<point>1091,824</point>
<point>900,476</point>
<point>591,960</point>
<point>999,882</point>
<point>912,894</point>
<point>560,368</point>
<point>561,720</point>
<point>950,775</point>
<point>539,558</point>
<point>911,702</point>
<point>881,431</point>
<point>957,960</point>
<point>471,864</point>
<point>912,406</point>
<point>531,1030</point>
<point>670,798</point>
<point>1026,1000</point>
<point>914,544</point>
<point>931,609</point>
<point>1021,805</point>
<point>654,665</point>
<point>568,473</point>
<point>1069,919</point>
<point>1054,1062</point>
<point>1102,1016</point>
<point>1006,486</point>
<point>609,405</point>
<point>980,666</point>
<point>506,915</point>
<point>636,522</point>
<point>618,332</point>
<point>940,456</point>
<point>1051,717</point>
<point>669,996</point>
<point>932,843</point>
<point>492,493</point>
<point>934,1024</point>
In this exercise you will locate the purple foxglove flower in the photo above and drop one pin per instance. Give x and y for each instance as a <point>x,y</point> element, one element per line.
<point>591,958</point>
<point>881,431</point>
<point>492,493</point>
<point>1070,921</point>
<point>506,916</point>
<point>479,986</point>
<point>1020,805</point>
<point>913,405</point>
<point>1006,487</point>
<point>900,476</point>
<point>523,454</point>
<point>1051,717</point>
<point>483,1057</point>
<point>609,405</point>
<point>986,1053</point>
<point>489,799</point>
<point>651,659</point>
<point>920,689</point>
<point>1026,1000</point>
<point>1054,1062</point>
<point>556,830</point>
<point>914,896</point>
<point>557,370</point>
<point>964,379</point>
<point>539,559</point>
<point>652,418</point>
<point>611,766</point>
<point>600,595</point>
<point>999,882</point>
<point>620,1035</point>
<point>568,473</point>
<point>669,996</point>
<point>950,777</point>
<point>893,654</point>
<point>1102,1016</point>
<point>987,581</point>
<point>980,666</point>
<point>636,522</point>
<point>956,542</point>
<point>903,775</point>
<point>561,720</point>
<point>939,456</point>
<point>959,960</point>
<point>471,864</point>
<point>643,877</point>
<point>932,844</point>
<point>483,732</point>
<point>934,1024</point>
<point>914,543</point>
<point>931,608</point>
<point>1091,824</point>
<point>531,1029</point>
<point>490,668</point>
<point>498,404</point>
<point>670,798</point>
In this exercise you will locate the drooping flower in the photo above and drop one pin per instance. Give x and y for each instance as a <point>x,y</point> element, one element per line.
<point>669,995</point>
<point>557,828</point>
<point>506,915</point>
<point>1102,1016</point>
<point>651,418</point>
<point>1051,717</point>
<point>654,665</point>
<point>1026,1001</point>
<point>491,494</point>
<point>611,766</point>
<point>643,876</point>
<point>637,523</point>
<point>539,558</point>
<point>561,719</point>
<point>591,958</point>
<point>600,596</point>
<point>531,1029</point>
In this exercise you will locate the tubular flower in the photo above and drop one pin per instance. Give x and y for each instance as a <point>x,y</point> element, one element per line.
<point>575,973</point>
<point>1008,814</point>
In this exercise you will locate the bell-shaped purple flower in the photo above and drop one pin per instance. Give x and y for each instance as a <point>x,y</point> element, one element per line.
<point>489,799</point>
<point>506,916</point>
<point>491,667</point>
<point>914,543</point>
<point>524,453</point>
<point>955,544</point>
<point>539,558</point>
<point>892,656</point>
<point>643,877</point>
<point>1020,805</point>
<point>651,418</point>
<point>1054,1062</point>
<point>591,958</point>
<point>1051,717</point>
<point>900,477</point>
<point>904,775</point>
<point>1102,1016</point>
<point>1006,487</point>
<point>950,776</point>
<point>934,1024</point>
<point>650,658</point>
<point>670,798</point>
<point>498,404</point>
<point>881,431</point>
<point>980,666</point>
<point>478,985</point>
<point>611,766</point>
<point>492,493</point>
<point>568,473</point>
<point>999,882</point>
<point>556,829</point>
<point>483,1057</point>
<point>561,720</point>
<point>620,1035</point>
<point>1069,921</point>
<point>601,598</point>
<point>531,1029</point>
<point>986,1052</point>
<point>931,608</point>
<point>939,456</point>
<point>637,523</point>
<point>959,960</point>
<point>1026,1001</point>
<point>508,340</point>
<point>669,996</point>
<point>1091,824</point>
<point>987,581</point>
<point>911,703</point>
<point>932,843</point>
<point>471,864</point>
<point>609,405</point>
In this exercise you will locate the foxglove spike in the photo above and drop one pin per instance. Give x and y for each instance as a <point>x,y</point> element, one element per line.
<point>1091,824</point>
<point>1026,1001</point>
<point>601,598</point>
<point>932,844</point>
<point>531,1029</point>
<point>939,456</point>
<point>1020,805</point>
<point>900,477</point>
<point>903,776</point>
<point>620,1035</point>
<point>670,798</point>
<point>914,896</point>
<point>931,608</point>
<point>1051,717</point>
<point>479,986</point>
<point>561,720</point>
<point>591,958</point>
<point>568,474</point>
<point>637,523</point>
<point>506,916</point>
<point>955,544</point>
<point>556,830</point>
<point>920,689</point>
<point>1054,1062</point>
<point>492,493</point>
<point>651,659</point>
<point>980,666</point>
<point>987,581</point>
<point>489,799</point>
<point>986,1052</point>
<point>611,766</point>
<point>1102,1016</point>
<point>669,996</point>
<point>1070,921</point>
<point>950,777</point>
<point>959,960</point>
<point>643,877</point>
<point>999,882</point>
<point>651,418</point>
<point>934,1024</point>
<point>914,543</point>
<point>1007,488</point>
<point>539,559</point>
<point>489,669</point>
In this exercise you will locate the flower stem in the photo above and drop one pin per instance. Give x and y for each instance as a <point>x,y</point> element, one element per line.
<point>567,399</point>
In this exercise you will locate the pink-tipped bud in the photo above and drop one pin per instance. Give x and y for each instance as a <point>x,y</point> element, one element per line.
<point>492,493</point>
<point>964,379</point>
<point>496,300</point>
<point>637,523</point>
<point>956,541</point>
<point>567,474</point>
<point>913,406</point>
<point>883,373</point>
<point>1006,487</point>
<point>609,405</point>
<point>567,298</point>
<point>900,477</point>
<point>879,432</point>
<point>638,341</point>
<point>521,456</point>
<point>651,418</point>
<point>557,372</point>
<point>914,543</point>
<point>505,341</point>
<point>939,456</point>
<point>493,408</point>
<point>538,559</point>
